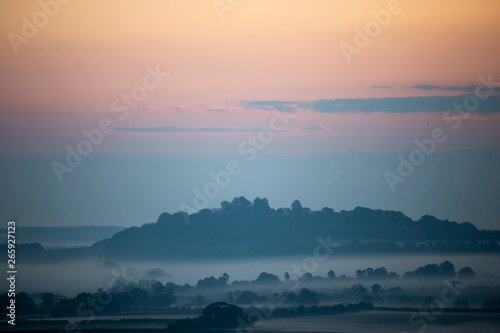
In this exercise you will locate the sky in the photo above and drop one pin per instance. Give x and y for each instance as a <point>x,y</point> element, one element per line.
<point>114,112</point>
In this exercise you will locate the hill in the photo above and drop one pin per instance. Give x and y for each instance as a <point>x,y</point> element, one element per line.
<point>242,229</point>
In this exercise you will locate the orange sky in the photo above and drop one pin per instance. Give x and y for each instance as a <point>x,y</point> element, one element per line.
<point>263,49</point>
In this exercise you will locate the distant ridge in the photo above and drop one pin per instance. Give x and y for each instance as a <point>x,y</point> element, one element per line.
<point>241,229</point>
<point>63,236</point>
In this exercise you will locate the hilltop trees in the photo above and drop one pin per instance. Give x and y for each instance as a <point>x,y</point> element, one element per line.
<point>212,282</point>
<point>221,233</point>
<point>267,278</point>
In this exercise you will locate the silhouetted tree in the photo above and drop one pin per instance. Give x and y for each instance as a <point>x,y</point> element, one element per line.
<point>408,275</point>
<point>376,288</point>
<point>356,290</point>
<point>24,304</point>
<point>65,308</point>
<point>241,202</point>
<point>328,212</point>
<point>261,205</point>
<point>491,304</point>
<point>212,282</point>
<point>246,297</point>
<point>225,205</point>
<point>199,300</point>
<point>306,276</point>
<point>447,269</point>
<point>267,278</point>
<point>297,208</point>
<point>215,315</point>
<point>307,296</point>
<point>380,273</point>
<point>138,297</point>
<point>291,298</point>
<point>49,300</point>
<point>466,272</point>
<point>221,314</point>
<point>427,271</point>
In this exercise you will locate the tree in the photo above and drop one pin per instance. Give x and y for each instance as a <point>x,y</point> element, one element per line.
<point>225,205</point>
<point>408,275</point>
<point>212,282</point>
<point>466,272</point>
<point>297,208</point>
<point>381,273</point>
<point>241,202</point>
<point>221,314</point>
<point>157,288</point>
<point>24,304</point>
<point>246,297</point>
<point>65,308</point>
<point>307,276</point>
<point>331,274</point>
<point>167,297</point>
<point>267,278</point>
<point>230,297</point>
<point>138,297</point>
<point>356,290</point>
<point>199,300</point>
<point>215,315</point>
<point>328,212</point>
<point>376,288</point>
<point>307,296</point>
<point>491,304</point>
<point>49,300</point>
<point>447,269</point>
<point>261,205</point>
<point>291,298</point>
<point>427,271</point>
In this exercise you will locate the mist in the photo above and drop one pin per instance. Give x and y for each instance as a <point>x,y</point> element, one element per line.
<point>71,278</point>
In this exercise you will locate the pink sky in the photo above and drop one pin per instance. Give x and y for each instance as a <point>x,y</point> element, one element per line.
<point>65,78</point>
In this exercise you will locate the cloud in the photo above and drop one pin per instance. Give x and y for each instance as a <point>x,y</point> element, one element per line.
<point>469,88</point>
<point>185,129</point>
<point>217,109</point>
<point>288,106</point>
<point>387,104</point>
<point>382,87</point>
<point>180,108</point>
<point>426,87</point>
<point>315,128</point>
<point>400,104</point>
<point>223,109</point>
